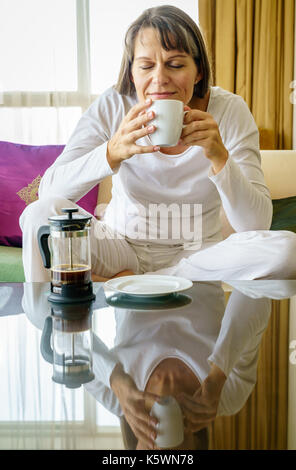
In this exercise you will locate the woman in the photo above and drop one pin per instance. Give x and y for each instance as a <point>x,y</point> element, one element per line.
<point>216,161</point>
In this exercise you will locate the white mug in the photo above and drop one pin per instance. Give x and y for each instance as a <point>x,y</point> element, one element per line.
<point>170,430</point>
<point>169,117</point>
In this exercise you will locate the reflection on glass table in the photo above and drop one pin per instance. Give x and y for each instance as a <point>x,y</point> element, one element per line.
<point>193,346</point>
<point>35,411</point>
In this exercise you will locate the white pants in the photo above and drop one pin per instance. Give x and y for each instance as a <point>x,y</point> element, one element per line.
<point>250,255</point>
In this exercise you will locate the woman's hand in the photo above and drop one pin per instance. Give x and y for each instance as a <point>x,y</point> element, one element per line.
<point>97,278</point>
<point>202,130</point>
<point>201,408</point>
<point>123,144</point>
<point>132,402</point>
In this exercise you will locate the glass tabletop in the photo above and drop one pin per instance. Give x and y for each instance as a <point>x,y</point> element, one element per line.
<point>56,362</point>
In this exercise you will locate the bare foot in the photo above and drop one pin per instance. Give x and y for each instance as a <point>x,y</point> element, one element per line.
<point>96,278</point>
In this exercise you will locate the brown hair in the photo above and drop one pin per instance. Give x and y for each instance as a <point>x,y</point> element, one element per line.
<point>176,31</point>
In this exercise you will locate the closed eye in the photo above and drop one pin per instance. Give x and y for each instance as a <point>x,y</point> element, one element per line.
<point>146,67</point>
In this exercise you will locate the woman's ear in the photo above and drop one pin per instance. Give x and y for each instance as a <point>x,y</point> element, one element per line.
<point>198,78</point>
<point>199,74</point>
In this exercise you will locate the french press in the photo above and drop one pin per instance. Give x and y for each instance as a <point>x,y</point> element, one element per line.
<point>66,343</point>
<point>65,248</point>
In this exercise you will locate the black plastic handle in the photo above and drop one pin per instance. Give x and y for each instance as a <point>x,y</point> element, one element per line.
<point>43,234</point>
<point>45,347</point>
<point>45,344</point>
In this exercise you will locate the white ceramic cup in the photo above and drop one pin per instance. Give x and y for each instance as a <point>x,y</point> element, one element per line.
<point>169,117</point>
<point>170,430</point>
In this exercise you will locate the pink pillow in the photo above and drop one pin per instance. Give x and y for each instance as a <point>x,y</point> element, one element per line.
<point>21,168</point>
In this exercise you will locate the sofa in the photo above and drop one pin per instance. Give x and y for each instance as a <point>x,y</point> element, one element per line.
<point>279,167</point>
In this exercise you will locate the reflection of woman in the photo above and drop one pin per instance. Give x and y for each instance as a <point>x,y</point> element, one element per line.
<point>216,161</point>
<point>203,354</point>
<point>170,377</point>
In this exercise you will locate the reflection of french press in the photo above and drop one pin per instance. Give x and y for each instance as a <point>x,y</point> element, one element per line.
<point>66,343</point>
<point>65,249</point>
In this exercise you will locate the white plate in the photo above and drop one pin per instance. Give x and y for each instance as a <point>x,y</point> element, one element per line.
<point>148,286</point>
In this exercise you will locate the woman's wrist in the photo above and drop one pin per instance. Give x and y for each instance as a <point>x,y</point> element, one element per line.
<point>110,159</point>
<point>219,163</point>
<point>217,376</point>
<point>116,376</point>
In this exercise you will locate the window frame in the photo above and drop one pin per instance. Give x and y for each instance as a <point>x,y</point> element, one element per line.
<point>79,98</point>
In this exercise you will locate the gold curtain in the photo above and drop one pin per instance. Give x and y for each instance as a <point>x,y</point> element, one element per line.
<point>251,43</point>
<point>262,423</point>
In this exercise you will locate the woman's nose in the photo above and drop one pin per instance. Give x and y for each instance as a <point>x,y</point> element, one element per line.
<point>160,76</point>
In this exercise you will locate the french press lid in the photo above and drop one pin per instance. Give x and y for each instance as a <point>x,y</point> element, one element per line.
<point>69,221</point>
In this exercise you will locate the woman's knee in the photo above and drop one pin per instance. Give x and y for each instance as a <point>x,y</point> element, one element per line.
<point>37,213</point>
<point>285,265</point>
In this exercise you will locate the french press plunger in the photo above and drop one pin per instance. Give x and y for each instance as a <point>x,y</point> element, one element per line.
<point>65,248</point>
<point>66,343</point>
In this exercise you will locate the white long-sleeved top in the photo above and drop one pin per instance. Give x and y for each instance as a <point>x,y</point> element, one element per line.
<point>181,182</point>
<point>199,334</point>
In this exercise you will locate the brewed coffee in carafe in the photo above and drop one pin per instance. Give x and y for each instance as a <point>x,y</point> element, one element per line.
<point>65,249</point>
<point>70,274</point>
<point>70,261</point>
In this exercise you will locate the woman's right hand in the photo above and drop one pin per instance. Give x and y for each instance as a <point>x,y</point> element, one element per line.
<point>133,126</point>
<point>132,402</point>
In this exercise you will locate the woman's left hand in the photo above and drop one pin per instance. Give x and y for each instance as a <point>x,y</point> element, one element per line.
<point>201,408</point>
<point>201,129</point>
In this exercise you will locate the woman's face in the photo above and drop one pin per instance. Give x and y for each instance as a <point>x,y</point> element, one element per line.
<point>160,74</point>
<point>171,377</point>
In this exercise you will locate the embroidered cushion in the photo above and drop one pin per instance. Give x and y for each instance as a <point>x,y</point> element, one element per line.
<point>21,169</point>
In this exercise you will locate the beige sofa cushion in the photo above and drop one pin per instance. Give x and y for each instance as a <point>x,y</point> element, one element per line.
<point>279,168</point>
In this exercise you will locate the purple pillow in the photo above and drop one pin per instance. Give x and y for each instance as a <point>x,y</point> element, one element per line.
<point>21,168</point>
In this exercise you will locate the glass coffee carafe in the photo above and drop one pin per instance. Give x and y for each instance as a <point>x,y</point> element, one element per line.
<point>65,249</point>
<point>66,343</point>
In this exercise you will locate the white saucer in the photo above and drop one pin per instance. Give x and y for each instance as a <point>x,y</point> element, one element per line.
<point>148,286</point>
